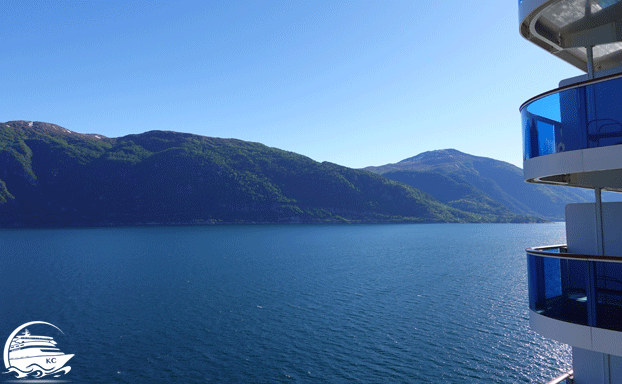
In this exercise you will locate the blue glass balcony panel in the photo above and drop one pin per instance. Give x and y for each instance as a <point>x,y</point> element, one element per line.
<point>557,288</point>
<point>576,291</point>
<point>609,295</point>
<point>582,117</point>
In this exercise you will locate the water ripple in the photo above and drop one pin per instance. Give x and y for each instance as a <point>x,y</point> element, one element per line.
<point>303,304</point>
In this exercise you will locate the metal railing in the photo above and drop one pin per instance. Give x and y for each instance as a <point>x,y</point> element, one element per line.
<point>571,86</point>
<point>562,253</point>
<point>566,378</point>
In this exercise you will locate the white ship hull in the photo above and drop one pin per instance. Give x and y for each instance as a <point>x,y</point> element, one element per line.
<point>49,363</point>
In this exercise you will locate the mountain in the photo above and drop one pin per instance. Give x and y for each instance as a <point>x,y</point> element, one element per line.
<point>480,184</point>
<point>50,176</point>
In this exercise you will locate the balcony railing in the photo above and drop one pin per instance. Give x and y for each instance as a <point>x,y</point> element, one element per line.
<point>566,378</point>
<point>579,289</point>
<point>580,116</point>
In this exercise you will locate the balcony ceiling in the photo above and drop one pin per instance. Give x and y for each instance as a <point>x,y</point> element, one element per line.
<point>566,27</point>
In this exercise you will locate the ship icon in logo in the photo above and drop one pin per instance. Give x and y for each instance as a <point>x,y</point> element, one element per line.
<point>28,355</point>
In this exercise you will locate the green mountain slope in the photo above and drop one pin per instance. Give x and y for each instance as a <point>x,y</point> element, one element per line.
<point>51,176</point>
<point>480,184</point>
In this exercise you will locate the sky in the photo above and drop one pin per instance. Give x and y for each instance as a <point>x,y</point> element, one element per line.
<point>357,83</point>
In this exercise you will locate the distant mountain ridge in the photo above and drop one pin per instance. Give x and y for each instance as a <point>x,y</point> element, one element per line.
<point>51,176</point>
<point>480,184</point>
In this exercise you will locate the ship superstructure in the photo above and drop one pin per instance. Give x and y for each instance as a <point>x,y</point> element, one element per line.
<point>572,137</point>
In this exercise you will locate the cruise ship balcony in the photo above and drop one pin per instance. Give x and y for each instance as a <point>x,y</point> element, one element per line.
<point>571,135</point>
<point>575,298</point>
<point>578,289</point>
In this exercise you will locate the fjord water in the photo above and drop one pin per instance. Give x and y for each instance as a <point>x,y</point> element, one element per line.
<point>438,303</point>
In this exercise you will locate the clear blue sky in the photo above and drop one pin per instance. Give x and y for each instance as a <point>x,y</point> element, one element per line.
<point>356,83</point>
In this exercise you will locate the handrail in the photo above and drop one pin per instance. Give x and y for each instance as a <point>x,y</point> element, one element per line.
<point>559,379</point>
<point>541,251</point>
<point>571,86</point>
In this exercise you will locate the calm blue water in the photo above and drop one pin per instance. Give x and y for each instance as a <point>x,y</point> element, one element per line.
<point>284,304</point>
